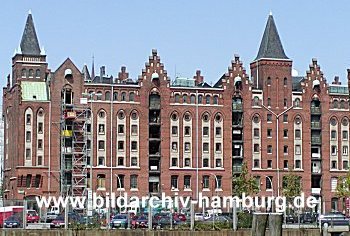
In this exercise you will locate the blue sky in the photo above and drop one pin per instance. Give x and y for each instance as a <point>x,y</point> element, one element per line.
<point>188,35</point>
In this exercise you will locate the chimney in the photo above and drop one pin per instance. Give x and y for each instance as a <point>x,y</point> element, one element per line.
<point>102,73</point>
<point>198,77</point>
<point>336,80</point>
<point>123,75</point>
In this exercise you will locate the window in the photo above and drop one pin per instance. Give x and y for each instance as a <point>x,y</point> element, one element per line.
<point>40,127</point>
<point>333,135</point>
<point>297,150</point>
<point>285,164</point>
<point>297,102</point>
<point>218,163</point>
<point>121,146</point>
<point>123,98</point>
<point>174,146</point>
<point>28,181</point>
<point>174,117</point>
<point>269,118</point>
<point>101,145</point>
<point>218,147</point>
<point>285,103</point>
<point>37,181</point>
<point>297,164</point>
<point>205,162</point>
<point>334,182</point>
<point>187,117</point>
<point>268,102</point>
<point>342,104</point>
<point>345,150</point>
<point>256,164</point>
<point>102,114</point>
<point>205,131</point>
<point>101,128</point>
<point>269,149</point>
<point>133,181</point>
<point>333,150</point>
<point>207,99</point>
<point>205,118</point>
<point>269,164</point>
<point>205,147</point>
<point>269,133</point>
<point>268,81</point>
<point>174,130</point>
<point>88,144</point>
<point>28,136</point>
<point>218,131</point>
<point>120,161</point>
<point>174,182</point>
<point>268,181</point>
<point>334,204</point>
<point>193,99</point>
<point>134,161</point>
<point>215,100</point>
<point>187,181</point>
<point>335,104</point>
<point>24,73</point>
<point>205,181</point>
<point>108,96</point>
<point>133,145</point>
<point>101,161</point>
<point>256,148</point>
<point>200,99</point>
<point>187,147</point>
<point>88,128</point>
<point>285,133</point>
<point>297,133</point>
<point>115,96</point>
<point>31,73</point>
<point>28,154</point>
<point>133,129</point>
<point>131,96</point>
<point>218,182</point>
<point>334,165</point>
<point>345,135</point>
<point>297,120</point>
<point>256,101</point>
<point>256,133</point>
<point>120,181</point>
<point>99,95</point>
<point>40,160</point>
<point>285,149</point>
<point>333,122</point>
<point>40,144</point>
<point>345,165</point>
<point>187,162</point>
<point>28,119</point>
<point>285,81</point>
<point>184,98</point>
<point>177,98</point>
<point>285,118</point>
<point>120,129</point>
<point>174,162</point>
<point>187,130</point>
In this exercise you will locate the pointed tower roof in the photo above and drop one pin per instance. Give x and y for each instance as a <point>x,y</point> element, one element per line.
<point>271,45</point>
<point>29,43</point>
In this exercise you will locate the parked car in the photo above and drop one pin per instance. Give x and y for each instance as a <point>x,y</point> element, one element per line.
<point>50,216</point>
<point>119,221</point>
<point>58,222</point>
<point>32,216</point>
<point>12,222</point>
<point>164,222</point>
<point>307,217</point>
<point>335,219</point>
<point>291,219</point>
<point>179,217</point>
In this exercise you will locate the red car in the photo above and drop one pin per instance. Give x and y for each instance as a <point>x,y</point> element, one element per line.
<point>179,217</point>
<point>32,216</point>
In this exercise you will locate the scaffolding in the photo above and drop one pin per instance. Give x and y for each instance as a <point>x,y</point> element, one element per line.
<point>75,128</point>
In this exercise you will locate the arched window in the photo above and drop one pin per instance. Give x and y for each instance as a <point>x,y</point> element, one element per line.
<point>37,73</point>
<point>184,98</point>
<point>216,100</point>
<point>285,103</point>
<point>268,82</point>
<point>342,104</point>
<point>256,101</point>
<point>31,73</point>
<point>123,96</point>
<point>177,98</point>
<point>131,96</point>
<point>285,81</point>
<point>24,73</point>
<point>108,96</point>
<point>193,99</point>
<point>207,99</point>
<point>335,104</point>
<point>200,99</point>
<point>115,96</point>
<point>98,95</point>
<point>297,102</point>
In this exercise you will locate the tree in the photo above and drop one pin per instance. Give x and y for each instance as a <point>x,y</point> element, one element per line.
<point>343,186</point>
<point>244,183</point>
<point>291,186</point>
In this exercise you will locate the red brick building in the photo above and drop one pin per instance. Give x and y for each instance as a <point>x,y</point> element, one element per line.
<point>151,135</point>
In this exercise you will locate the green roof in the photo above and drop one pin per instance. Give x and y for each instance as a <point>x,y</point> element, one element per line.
<point>34,91</point>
